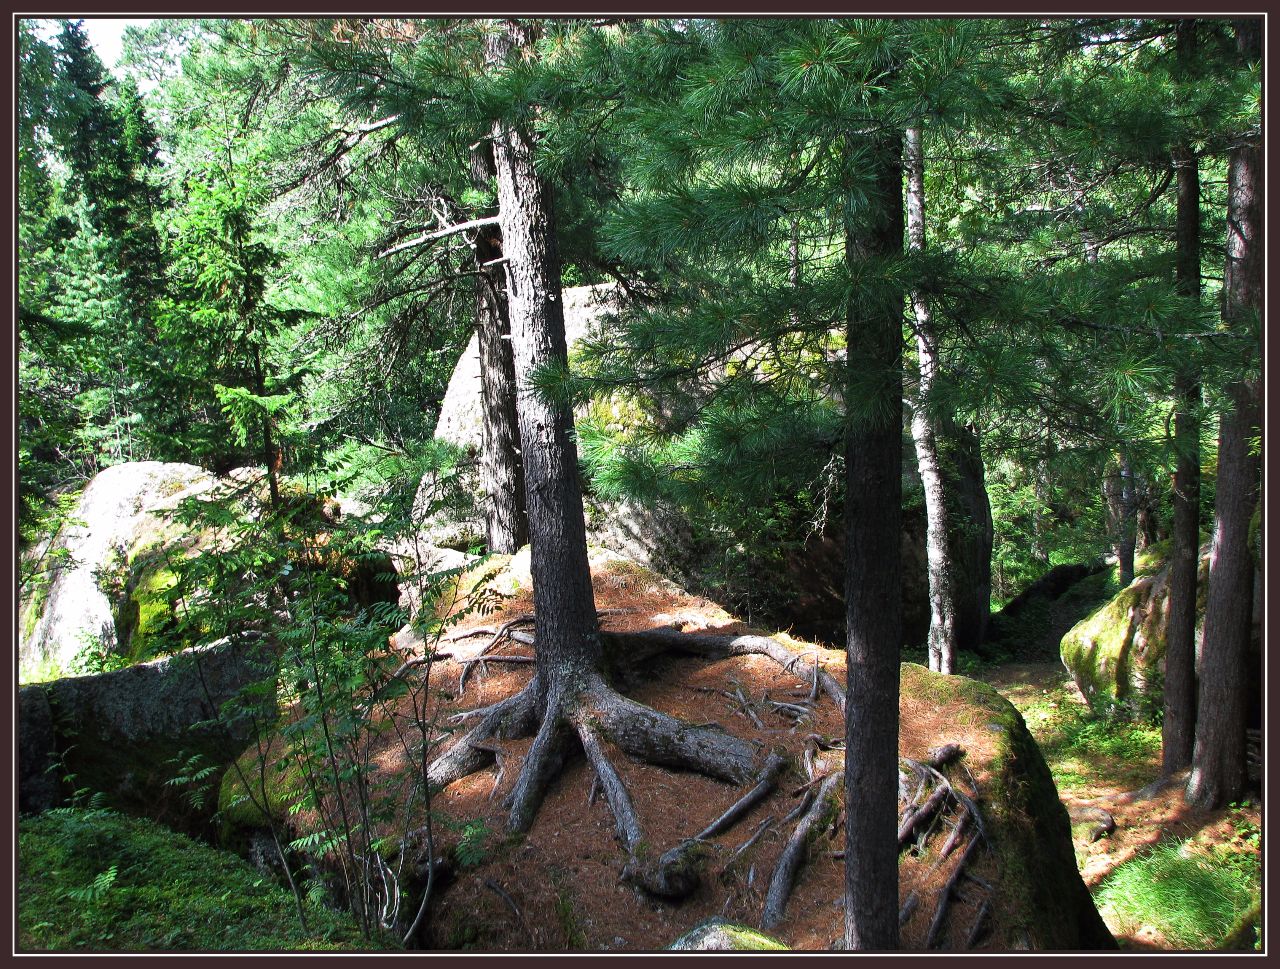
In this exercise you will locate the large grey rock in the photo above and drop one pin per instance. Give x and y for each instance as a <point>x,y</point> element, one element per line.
<point>457,521</point>
<point>69,608</point>
<point>37,785</point>
<point>460,421</point>
<point>123,732</point>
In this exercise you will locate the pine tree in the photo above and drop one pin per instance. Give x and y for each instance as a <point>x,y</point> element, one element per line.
<point>1218,763</point>
<point>1178,725</point>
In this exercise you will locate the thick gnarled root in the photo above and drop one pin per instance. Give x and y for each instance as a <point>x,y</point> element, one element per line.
<point>596,716</point>
<point>515,716</point>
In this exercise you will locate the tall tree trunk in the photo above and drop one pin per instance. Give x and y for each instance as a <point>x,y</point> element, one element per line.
<point>501,470</point>
<point>1218,759</point>
<point>1122,514</point>
<point>873,577</point>
<point>926,432</point>
<point>568,651</point>
<point>1178,727</point>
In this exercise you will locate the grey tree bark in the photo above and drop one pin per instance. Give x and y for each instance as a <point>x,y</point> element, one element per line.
<point>1218,759</point>
<point>569,704</point>
<point>564,606</point>
<point>1178,726</point>
<point>1118,488</point>
<point>926,432</point>
<point>501,470</point>
<point>873,575</point>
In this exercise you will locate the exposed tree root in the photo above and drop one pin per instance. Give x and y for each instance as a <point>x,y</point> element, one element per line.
<point>944,897</point>
<point>1101,822</point>
<point>908,908</point>
<point>920,811</point>
<point>513,717</point>
<point>793,855</point>
<point>541,764</point>
<point>677,872</point>
<point>649,642</point>
<point>593,713</point>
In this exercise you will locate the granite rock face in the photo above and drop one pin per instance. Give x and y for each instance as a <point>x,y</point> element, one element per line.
<point>69,608</point>
<point>128,732</point>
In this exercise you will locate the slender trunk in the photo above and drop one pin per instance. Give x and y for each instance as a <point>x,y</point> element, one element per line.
<point>1127,543</point>
<point>1117,488</point>
<point>1218,759</point>
<point>793,267</point>
<point>568,652</point>
<point>1178,727</point>
<point>926,432</point>
<point>270,456</point>
<point>873,513</point>
<point>1044,497</point>
<point>501,472</point>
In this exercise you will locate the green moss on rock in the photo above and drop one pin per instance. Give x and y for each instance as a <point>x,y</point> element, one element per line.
<point>719,936</point>
<point>239,813</point>
<point>1045,904</point>
<point>1116,653</point>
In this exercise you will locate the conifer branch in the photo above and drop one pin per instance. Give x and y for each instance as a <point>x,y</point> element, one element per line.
<point>440,234</point>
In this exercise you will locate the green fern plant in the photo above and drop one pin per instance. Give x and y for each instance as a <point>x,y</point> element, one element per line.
<point>94,892</point>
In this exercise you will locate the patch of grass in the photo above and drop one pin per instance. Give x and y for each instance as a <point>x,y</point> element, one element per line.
<point>1085,749</point>
<point>95,880</point>
<point>1080,747</point>
<point>1193,900</point>
<point>574,937</point>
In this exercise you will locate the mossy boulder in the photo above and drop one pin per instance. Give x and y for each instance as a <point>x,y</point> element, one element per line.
<point>95,880</point>
<point>256,793</point>
<point>1040,900</point>
<point>129,732</point>
<point>1115,655</point>
<point>717,935</point>
<point>75,603</point>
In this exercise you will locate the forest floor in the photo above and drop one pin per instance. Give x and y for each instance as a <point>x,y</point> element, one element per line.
<point>559,888</point>
<point>1104,765</point>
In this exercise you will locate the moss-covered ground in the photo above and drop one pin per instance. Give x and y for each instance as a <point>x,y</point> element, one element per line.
<point>95,880</point>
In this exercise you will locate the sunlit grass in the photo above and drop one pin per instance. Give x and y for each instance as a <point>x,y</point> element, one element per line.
<point>1194,900</point>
